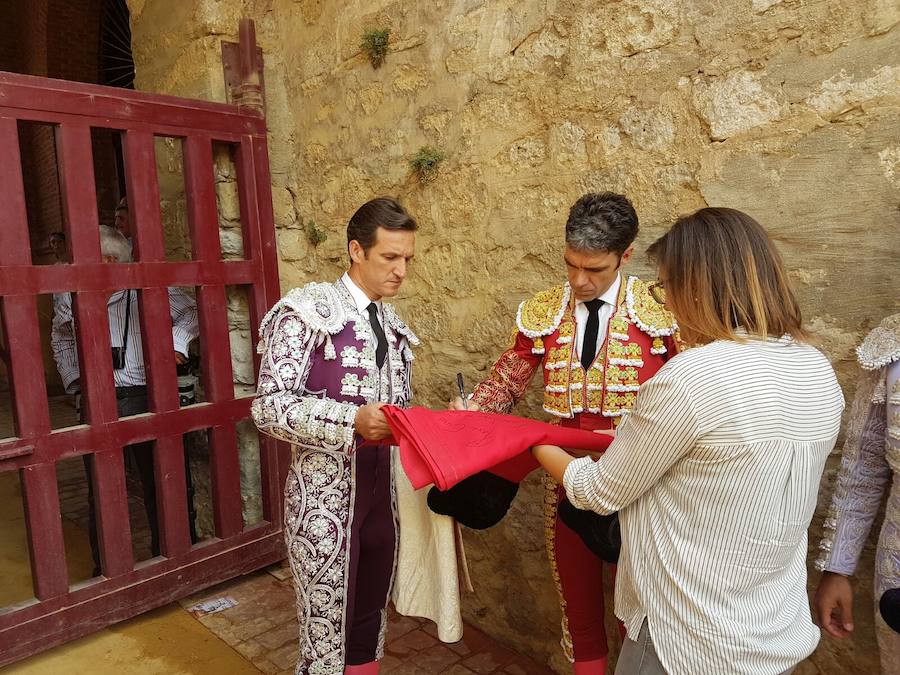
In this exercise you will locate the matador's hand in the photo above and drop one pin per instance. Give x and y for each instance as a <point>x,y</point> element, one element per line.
<point>833,604</point>
<point>371,423</point>
<point>457,404</point>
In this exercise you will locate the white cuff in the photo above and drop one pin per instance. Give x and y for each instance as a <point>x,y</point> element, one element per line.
<point>572,482</point>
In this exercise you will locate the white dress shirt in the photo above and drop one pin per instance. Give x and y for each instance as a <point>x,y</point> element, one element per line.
<point>609,297</point>
<point>715,475</point>
<point>361,299</point>
<point>182,309</point>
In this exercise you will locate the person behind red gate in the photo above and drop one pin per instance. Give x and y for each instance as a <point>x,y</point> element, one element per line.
<point>715,473</point>
<point>596,338</point>
<point>128,372</point>
<point>332,355</point>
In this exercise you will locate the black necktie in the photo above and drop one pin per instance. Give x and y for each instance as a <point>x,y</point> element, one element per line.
<point>381,348</point>
<point>589,345</point>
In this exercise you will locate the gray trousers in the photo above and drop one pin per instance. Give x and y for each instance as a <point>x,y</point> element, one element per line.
<point>638,657</point>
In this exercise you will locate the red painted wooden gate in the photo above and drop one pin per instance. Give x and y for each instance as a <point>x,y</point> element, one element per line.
<point>59,613</point>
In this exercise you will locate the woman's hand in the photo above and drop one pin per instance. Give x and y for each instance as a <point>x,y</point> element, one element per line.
<point>554,459</point>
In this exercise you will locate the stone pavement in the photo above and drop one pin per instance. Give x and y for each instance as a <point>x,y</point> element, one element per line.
<point>263,628</point>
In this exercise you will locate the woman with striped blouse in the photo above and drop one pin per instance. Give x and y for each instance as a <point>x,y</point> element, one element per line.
<point>715,473</point>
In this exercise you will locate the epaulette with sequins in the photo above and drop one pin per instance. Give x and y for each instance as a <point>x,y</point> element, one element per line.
<point>540,315</point>
<point>318,305</point>
<point>881,346</point>
<point>398,325</point>
<point>645,312</point>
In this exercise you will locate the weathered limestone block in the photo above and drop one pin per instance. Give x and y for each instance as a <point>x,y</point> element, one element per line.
<point>863,72</point>
<point>820,202</point>
<point>632,27</point>
<point>292,245</point>
<point>567,143</point>
<point>841,93</point>
<point>283,206</point>
<point>760,6</point>
<point>408,79</point>
<point>890,164</point>
<point>734,104</point>
<point>232,244</point>
<point>880,16</point>
<point>251,484</point>
<point>649,129</point>
<point>229,205</point>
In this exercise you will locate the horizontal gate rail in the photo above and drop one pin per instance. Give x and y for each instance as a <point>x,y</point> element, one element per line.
<point>59,612</point>
<point>114,108</point>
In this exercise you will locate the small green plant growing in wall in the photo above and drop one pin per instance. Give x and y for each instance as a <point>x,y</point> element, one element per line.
<point>425,162</point>
<point>314,235</point>
<point>375,44</point>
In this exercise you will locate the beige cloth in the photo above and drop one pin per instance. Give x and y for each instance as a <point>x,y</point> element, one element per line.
<point>427,578</point>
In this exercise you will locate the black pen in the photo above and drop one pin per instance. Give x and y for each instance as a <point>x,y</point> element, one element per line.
<point>462,390</point>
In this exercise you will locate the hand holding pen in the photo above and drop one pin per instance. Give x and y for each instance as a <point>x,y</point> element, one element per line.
<point>462,402</point>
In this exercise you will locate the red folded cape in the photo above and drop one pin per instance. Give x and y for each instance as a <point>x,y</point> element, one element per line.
<point>446,446</point>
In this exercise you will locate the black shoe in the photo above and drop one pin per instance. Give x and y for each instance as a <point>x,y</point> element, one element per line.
<point>889,606</point>
<point>478,502</point>
<point>599,533</point>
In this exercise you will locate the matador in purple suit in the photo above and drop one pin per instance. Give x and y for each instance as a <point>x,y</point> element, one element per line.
<point>333,354</point>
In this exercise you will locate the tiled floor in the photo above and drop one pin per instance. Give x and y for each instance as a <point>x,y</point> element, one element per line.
<point>263,628</point>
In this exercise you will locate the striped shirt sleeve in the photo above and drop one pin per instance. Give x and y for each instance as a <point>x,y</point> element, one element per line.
<point>660,430</point>
<point>62,341</point>
<point>185,328</point>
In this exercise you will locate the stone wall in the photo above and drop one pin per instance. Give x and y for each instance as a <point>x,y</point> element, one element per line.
<point>783,108</point>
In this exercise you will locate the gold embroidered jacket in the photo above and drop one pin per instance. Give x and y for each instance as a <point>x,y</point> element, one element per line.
<point>640,337</point>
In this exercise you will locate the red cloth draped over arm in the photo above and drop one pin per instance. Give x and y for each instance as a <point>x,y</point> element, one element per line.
<point>446,446</point>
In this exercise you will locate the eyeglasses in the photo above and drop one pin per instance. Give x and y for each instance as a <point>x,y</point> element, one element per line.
<point>657,292</point>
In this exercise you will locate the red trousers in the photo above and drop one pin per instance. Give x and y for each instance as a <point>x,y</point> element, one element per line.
<point>580,573</point>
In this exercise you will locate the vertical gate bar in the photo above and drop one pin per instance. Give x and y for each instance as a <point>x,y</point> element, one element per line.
<point>200,189</point>
<point>76,182</point>
<point>247,199</point>
<point>46,545</point>
<point>94,362</point>
<point>19,313</point>
<point>272,486</point>
<point>14,239</point>
<point>215,344</point>
<point>159,362</point>
<point>26,366</point>
<point>111,504</point>
<point>171,496</point>
<point>252,232</point>
<point>143,196</point>
<point>211,301</point>
<point>274,456</point>
<point>225,474</point>
<point>268,251</point>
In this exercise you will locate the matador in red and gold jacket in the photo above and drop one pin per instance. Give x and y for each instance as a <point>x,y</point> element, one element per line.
<point>639,338</point>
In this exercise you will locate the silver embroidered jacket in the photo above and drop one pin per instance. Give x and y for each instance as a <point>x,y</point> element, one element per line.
<point>870,464</point>
<point>318,368</point>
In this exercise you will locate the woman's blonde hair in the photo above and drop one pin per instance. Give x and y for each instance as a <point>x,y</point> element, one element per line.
<point>722,272</point>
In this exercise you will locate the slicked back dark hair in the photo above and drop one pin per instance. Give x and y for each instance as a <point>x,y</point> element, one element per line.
<point>602,221</point>
<point>383,212</point>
